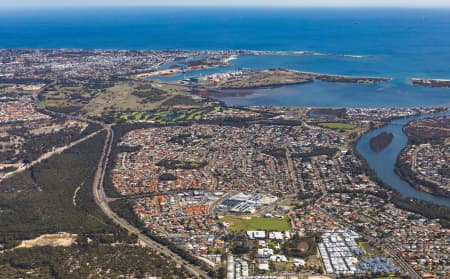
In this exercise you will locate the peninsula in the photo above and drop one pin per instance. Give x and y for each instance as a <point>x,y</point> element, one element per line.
<point>257,79</point>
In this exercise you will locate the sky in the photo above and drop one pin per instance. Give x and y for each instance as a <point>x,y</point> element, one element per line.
<point>259,3</point>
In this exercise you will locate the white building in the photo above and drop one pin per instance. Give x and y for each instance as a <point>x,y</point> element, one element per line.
<point>256,235</point>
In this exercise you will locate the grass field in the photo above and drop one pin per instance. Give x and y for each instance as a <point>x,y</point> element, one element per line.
<point>257,223</point>
<point>336,125</point>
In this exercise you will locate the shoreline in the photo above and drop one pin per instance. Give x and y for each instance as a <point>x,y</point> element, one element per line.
<point>415,182</point>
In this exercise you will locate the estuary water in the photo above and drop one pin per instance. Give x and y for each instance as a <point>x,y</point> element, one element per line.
<point>383,163</point>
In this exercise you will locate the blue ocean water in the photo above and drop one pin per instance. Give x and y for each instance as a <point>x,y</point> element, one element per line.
<point>398,43</point>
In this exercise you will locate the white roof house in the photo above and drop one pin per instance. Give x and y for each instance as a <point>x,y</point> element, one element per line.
<point>256,234</point>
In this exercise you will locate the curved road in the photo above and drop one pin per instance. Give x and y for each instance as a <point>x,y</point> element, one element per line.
<point>101,200</point>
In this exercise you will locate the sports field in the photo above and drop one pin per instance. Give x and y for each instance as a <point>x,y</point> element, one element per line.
<point>257,223</point>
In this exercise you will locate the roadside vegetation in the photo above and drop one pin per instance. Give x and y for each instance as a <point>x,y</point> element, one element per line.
<point>45,200</point>
<point>36,138</point>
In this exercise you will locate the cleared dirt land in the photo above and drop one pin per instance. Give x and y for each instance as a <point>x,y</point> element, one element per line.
<point>61,239</point>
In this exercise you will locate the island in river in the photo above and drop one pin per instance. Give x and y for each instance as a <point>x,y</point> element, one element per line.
<point>381,141</point>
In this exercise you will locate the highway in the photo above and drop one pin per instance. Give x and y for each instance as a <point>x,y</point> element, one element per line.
<point>101,200</point>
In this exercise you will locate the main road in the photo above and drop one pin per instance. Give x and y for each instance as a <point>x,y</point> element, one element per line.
<point>102,201</point>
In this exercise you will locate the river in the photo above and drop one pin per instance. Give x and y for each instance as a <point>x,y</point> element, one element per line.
<point>383,163</point>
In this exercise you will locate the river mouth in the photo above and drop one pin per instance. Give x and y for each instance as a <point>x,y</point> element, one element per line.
<point>383,162</point>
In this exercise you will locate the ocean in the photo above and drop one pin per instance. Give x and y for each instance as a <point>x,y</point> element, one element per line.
<point>398,43</point>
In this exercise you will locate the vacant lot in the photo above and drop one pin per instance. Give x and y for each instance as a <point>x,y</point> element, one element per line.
<point>300,246</point>
<point>257,223</point>
<point>59,239</point>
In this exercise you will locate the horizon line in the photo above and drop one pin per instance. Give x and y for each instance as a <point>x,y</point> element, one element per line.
<point>233,6</point>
